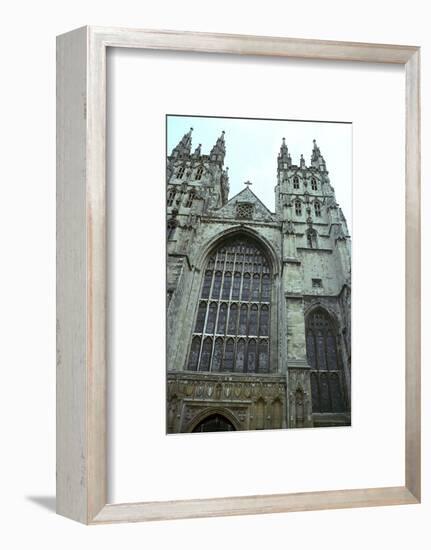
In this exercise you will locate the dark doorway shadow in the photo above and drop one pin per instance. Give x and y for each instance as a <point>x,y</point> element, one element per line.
<point>45,501</point>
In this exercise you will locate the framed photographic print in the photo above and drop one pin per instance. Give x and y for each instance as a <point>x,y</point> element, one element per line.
<point>238,252</point>
<point>265,311</point>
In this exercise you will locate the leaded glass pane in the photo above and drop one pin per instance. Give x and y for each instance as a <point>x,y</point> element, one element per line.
<point>226,286</point>
<point>246,287</point>
<point>240,356</point>
<point>207,284</point>
<point>206,355</point>
<point>325,404</point>
<point>216,285</point>
<point>263,356</point>
<point>194,353</point>
<point>221,324</point>
<point>264,321</point>
<point>311,354</point>
<point>315,392</point>
<point>320,344</point>
<point>211,318</point>
<point>252,323</point>
<point>228,355</point>
<point>233,317</point>
<point>236,286</point>
<point>251,356</point>
<point>255,288</point>
<point>242,328</point>
<point>218,355</point>
<point>200,320</point>
<point>266,287</point>
<point>331,353</point>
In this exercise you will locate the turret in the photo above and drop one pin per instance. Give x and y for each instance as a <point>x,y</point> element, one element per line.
<point>197,152</point>
<point>284,159</point>
<point>219,150</point>
<point>317,160</point>
<point>184,146</point>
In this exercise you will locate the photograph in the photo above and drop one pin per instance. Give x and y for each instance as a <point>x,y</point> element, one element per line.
<point>258,273</point>
<point>214,291</point>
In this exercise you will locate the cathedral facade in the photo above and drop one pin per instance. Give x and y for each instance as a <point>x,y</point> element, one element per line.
<point>258,302</point>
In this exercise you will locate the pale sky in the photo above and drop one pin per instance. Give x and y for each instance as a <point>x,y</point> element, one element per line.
<point>252,147</point>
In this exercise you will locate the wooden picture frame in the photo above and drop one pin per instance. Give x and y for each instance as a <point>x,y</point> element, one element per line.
<point>81,274</point>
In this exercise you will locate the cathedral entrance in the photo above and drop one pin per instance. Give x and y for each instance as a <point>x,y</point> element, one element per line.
<point>215,423</point>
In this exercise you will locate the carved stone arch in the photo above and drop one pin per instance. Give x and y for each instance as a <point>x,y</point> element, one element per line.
<point>239,231</point>
<point>210,412</point>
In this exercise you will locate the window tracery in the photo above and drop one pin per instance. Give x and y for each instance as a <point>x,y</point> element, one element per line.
<point>190,199</point>
<point>199,173</point>
<point>171,197</point>
<point>244,210</point>
<point>327,377</point>
<point>232,325</point>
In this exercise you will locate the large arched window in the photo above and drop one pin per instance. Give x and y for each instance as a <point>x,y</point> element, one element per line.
<point>327,376</point>
<point>232,324</point>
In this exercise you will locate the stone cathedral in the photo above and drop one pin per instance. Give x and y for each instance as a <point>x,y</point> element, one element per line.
<point>258,302</point>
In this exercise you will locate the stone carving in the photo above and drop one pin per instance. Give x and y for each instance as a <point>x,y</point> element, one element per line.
<point>289,228</point>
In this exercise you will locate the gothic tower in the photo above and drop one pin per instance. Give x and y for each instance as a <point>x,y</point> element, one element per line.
<point>316,282</point>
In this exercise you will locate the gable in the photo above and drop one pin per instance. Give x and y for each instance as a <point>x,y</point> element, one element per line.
<point>245,205</point>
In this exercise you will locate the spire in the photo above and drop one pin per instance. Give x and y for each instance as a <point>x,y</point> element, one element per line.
<point>184,146</point>
<point>187,138</point>
<point>317,160</point>
<point>219,150</point>
<point>302,162</point>
<point>197,152</point>
<point>284,159</point>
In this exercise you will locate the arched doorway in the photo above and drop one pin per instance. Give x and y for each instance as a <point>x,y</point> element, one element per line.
<point>215,423</point>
